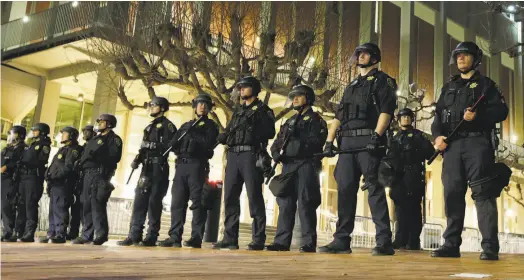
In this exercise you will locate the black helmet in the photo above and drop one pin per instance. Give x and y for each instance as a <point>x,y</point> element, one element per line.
<point>406,112</point>
<point>73,133</point>
<point>372,49</point>
<point>160,101</point>
<point>250,81</point>
<point>110,120</point>
<point>20,130</point>
<point>42,127</point>
<point>203,98</point>
<point>303,90</point>
<point>88,127</point>
<point>467,47</point>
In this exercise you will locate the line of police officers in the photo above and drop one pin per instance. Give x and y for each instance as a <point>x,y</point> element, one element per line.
<point>361,128</point>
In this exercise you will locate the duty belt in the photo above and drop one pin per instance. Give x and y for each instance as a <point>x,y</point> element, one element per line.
<point>189,160</point>
<point>466,134</point>
<point>92,169</point>
<point>156,160</point>
<point>244,148</point>
<point>25,170</point>
<point>356,132</point>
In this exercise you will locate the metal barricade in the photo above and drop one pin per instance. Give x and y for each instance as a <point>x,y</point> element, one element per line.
<point>431,236</point>
<point>511,243</point>
<point>363,235</point>
<point>470,240</point>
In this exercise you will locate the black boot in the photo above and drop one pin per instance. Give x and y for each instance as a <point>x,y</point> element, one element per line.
<point>58,239</point>
<point>193,243</point>
<point>170,243</point>
<point>71,236</point>
<point>308,249</point>
<point>485,256</point>
<point>80,240</point>
<point>446,252</point>
<point>9,237</point>
<point>383,251</point>
<point>225,245</point>
<point>99,241</point>
<point>148,242</point>
<point>276,247</point>
<point>335,247</point>
<point>255,246</point>
<point>28,238</point>
<point>127,242</point>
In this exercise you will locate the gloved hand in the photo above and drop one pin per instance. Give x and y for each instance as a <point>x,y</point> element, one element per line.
<point>222,138</point>
<point>329,149</point>
<point>277,157</point>
<point>373,144</point>
<point>134,164</point>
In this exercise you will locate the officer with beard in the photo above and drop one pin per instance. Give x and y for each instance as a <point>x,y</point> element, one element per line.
<point>154,178</point>
<point>412,149</point>
<point>256,125</point>
<point>76,206</point>
<point>193,152</point>
<point>61,180</point>
<point>98,162</point>
<point>32,170</point>
<point>362,119</point>
<point>307,133</point>
<point>469,157</point>
<point>11,155</point>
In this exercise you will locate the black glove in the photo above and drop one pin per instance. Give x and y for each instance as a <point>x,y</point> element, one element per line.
<point>222,138</point>
<point>373,144</point>
<point>329,149</point>
<point>135,164</point>
<point>277,157</point>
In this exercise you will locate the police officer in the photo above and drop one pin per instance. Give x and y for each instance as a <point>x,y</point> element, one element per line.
<point>193,152</point>
<point>32,170</point>
<point>247,135</point>
<point>61,180</point>
<point>469,156</point>
<point>362,119</point>
<point>307,133</point>
<point>154,178</point>
<point>76,206</point>
<point>11,156</point>
<point>412,149</point>
<point>98,162</point>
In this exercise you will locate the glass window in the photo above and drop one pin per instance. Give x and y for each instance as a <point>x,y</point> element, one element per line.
<point>71,112</point>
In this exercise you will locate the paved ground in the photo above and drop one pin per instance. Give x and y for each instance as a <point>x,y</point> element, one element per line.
<point>66,261</point>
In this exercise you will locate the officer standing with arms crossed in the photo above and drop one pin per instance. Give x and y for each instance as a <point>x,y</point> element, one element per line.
<point>193,152</point>
<point>76,206</point>
<point>362,117</point>
<point>307,133</point>
<point>469,157</point>
<point>11,155</point>
<point>154,178</point>
<point>98,162</point>
<point>412,149</point>
<point>61,180</point>
<point>256,122</point>
<point>32,170</point>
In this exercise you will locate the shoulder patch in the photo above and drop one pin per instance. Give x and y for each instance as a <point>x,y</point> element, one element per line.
<point>37,147</point>
<point>100,142</point>
<point>75,154</point>
<point>171,127</point>
<point>391,83</point>
<point>118,141</point>
<point>46,150</point>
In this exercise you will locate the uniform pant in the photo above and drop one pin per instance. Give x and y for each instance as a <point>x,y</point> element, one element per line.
<point>95,195</point>
<point>468,159</point>
<point>76,216</point>
<point>8,206</point>
<point>307,193</point>
<point>349,169</point>
<point>188,185</point>
<point>59,202</point>
<point>408,211</point>
<point>149,202</point>
<point>31,189</point>
<point>241,170</point>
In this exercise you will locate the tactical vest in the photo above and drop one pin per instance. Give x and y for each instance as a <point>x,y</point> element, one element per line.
<point>247,134</point>
<point>358,104</point>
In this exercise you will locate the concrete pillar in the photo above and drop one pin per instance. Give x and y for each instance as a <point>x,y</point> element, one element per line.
<point>105,94</point>
<point>367,22</point>
<point>441,56</point>
<point>339,38</point>
<point>518,92</point>
<point>47,104</point>
<point>408,32</point>
<point>470,30</point>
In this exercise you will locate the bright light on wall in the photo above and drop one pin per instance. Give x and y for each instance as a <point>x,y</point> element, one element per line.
<point>510,213</point>
<point>80,97</point>
<point>399,93</point>
<point>511,8</point>
<point>514,138</point>
<point>75,4</point>
<point>25,19</point>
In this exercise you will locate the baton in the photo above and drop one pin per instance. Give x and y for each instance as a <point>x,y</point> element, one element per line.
<point>172,143</point>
